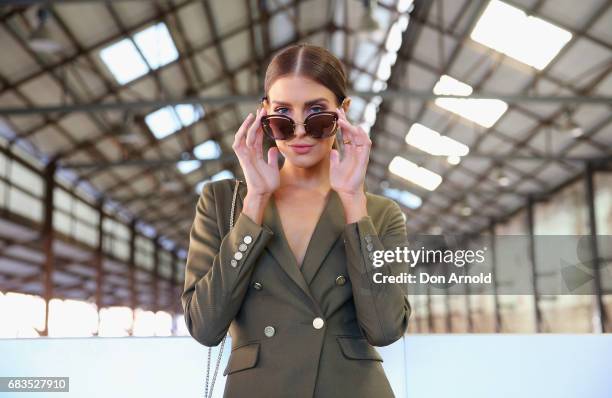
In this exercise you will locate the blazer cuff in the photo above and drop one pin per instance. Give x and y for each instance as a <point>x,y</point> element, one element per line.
<point>245,237</point>
<point>362,237</point>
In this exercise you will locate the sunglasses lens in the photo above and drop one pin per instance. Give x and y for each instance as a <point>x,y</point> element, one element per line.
<point>321,125</point>
<point>278,128</point>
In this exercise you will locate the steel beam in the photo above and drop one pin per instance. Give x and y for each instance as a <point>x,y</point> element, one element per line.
<point>397,94</point>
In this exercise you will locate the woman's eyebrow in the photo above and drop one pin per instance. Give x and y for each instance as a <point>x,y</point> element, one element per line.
<point>306,103</point>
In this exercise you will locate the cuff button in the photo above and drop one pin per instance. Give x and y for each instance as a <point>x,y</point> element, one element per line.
<point>242,247</point>
<point>234,263</point>
<point>238,255</point>
<point>248,239</point>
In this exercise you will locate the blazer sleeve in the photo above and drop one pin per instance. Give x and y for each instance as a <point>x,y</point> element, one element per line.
<point>382,309</point>
<point>216,276</point>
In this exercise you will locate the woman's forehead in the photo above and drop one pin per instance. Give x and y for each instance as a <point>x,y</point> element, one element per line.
<point>298,90</point>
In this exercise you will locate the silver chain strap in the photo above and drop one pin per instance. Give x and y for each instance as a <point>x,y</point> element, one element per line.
<point>208,394</point>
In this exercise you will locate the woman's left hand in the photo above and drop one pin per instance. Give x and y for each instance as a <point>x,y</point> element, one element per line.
<point>347,176</point>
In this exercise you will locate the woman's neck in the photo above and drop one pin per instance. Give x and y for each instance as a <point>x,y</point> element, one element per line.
<point>315,177</point>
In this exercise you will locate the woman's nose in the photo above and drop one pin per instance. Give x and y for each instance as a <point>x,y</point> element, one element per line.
<point>300,130</point>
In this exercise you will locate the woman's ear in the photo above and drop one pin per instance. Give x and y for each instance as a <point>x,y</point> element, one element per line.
<point>346,104</point>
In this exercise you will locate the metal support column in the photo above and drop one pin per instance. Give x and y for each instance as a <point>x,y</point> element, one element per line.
<point>155,304</point>
<point>532,259</point>
<point>600,309</point>
<point>99,265</point>
<point>493,244</point>
<point>48,237</point>
<point>132,274</point>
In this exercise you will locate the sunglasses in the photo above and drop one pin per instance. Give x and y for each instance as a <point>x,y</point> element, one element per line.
<point>317,125</point>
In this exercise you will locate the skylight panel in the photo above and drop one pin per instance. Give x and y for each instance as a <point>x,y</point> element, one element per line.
<point>483,111</point>
<point>187,166</point>
<point>189,114</point>
<point>406,198</point>
<point>415,173</point>
<point>432,142</point>
<point>207,150</point>
<point>156,45</point>
<point>528,39</point>
<point>163,122</point>
<point>222,175</point>
<point>124,61</point>
<point>168,120</point>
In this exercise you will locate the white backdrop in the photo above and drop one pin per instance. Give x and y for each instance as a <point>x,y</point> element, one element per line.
<point>418,366</point>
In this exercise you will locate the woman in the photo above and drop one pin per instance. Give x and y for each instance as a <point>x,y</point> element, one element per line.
<point>300,303</point>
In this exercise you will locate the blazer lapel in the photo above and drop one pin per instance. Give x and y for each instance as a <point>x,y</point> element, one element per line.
<point>326,233</point>
<point>279,248</point>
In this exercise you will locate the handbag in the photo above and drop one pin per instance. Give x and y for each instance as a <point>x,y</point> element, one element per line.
<point>207,393</point>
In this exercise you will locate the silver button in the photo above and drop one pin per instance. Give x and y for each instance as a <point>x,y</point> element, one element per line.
<point>257,285</point>
<point>242,247</point>
<point>371,256</point>
<point>340,280</point>
<point>248,239</point>
<point>238,255</point>
<point>317,323</point>
<point>368,238</point>
<point>234,263</point>
<point>369,247</point>
<point>269,331</point>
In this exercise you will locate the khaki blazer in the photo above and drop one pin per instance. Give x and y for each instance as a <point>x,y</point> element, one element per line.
<point>296,332</point>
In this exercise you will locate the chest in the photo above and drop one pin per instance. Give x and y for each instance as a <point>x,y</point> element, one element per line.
<point>299,218</point>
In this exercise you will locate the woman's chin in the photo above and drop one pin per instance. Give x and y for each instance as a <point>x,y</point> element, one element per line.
<point>303,160</point>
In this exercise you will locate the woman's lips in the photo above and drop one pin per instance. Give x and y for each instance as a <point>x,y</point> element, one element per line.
<point>301,149</point>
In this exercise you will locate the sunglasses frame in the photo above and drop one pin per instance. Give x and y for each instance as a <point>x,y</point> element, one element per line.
<point>295,124</point>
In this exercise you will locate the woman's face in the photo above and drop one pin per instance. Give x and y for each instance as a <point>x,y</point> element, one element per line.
<point>299,97</point>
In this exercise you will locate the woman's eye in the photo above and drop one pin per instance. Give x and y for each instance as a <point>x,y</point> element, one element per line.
<point>280,110</point>
<point>317,108</point>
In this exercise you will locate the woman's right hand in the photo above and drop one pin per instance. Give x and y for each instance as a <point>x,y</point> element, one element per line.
<point>262,178</point>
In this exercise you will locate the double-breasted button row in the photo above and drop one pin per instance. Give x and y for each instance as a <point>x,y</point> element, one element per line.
<point>246,240</point>
<point>318,323</point>
<point>269,331</point>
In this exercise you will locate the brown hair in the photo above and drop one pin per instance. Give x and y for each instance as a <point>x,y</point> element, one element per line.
<point>313,62</point>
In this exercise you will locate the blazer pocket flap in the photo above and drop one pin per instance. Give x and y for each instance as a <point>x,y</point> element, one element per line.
<point>354,347</point>
<point>241,358</point>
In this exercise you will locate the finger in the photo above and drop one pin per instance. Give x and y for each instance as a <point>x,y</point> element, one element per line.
<point>273,156</point>
<point>334,158</point>
<point>347,136</point>
<point>252,131</point>
<point>351,131</point>
<point>242,129</point>
<point>363,137</point>
<point>259,137</point>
